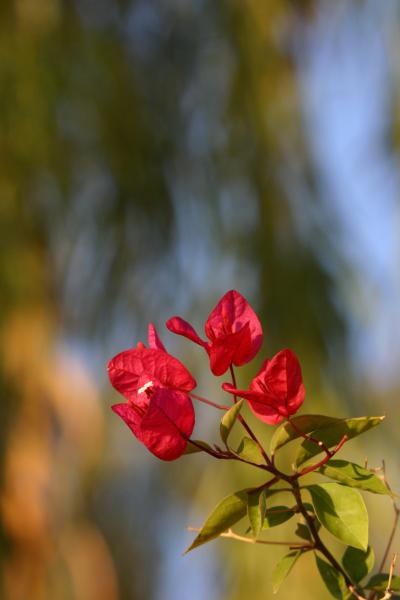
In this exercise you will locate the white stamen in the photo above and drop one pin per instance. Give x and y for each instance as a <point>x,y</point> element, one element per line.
<point>145,386</point>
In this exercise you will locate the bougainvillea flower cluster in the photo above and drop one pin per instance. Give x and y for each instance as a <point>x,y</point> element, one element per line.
<point>157,386</point>
<point>159,394</point>
<point>277,391</point>
<point>233,329</point>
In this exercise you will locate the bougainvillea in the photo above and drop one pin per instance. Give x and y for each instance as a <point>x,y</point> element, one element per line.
<point>159,395</point>
<point>233,329</point>
<point>159,410</point>
<point>277,391</point>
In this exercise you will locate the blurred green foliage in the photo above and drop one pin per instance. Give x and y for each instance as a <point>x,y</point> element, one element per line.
<point>147,152</point>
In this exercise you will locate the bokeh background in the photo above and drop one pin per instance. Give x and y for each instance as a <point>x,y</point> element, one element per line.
<point>153,155</point>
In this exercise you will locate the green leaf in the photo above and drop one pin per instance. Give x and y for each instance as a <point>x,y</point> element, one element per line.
<point>342,511</point>
<point>192,449</point>
<point>303,532</point>
<point>228,420</point>
<point>285,433</point>
<point>256,509</point>
<point>228,512</point>
<point>249,450</point>
<point>283,568</point>
<point>332,434</point>
<point>379,583</point>
<point>333,579</point>
<point>276,515</point>
<point>358,563</point>
<point>353,475</point>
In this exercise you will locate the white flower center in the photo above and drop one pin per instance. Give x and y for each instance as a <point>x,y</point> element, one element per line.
<point>145,387</point>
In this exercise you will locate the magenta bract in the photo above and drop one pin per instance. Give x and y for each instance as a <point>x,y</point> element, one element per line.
<point>159,410</point>
<point>233,330</point>
<point>277,391</point>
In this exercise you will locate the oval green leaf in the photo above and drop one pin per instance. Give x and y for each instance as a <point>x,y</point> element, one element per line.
<point>341,510</point>
<point>379,583</point>
<point>283,568</point>
<point>353,475</point>
<point>229,419</point>
<point>358,563</point>
<point>285,433</point>
<point>276,515</point>
<point>256,509</point>
<point>228,512</point>
<point>249,450</point>
<point>333,580</point>
<point>332,434</point>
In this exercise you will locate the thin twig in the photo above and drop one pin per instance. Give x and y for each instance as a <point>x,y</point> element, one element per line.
<point>395,522</point>
<point>396,509</point>
<point>354,593</point>
<point>324,460</point>
<point>249,540</point>
<point>265,485</point>
<point>244,424</point>
<point>210,451</point>
<point>224,455</point>
<point>318,543</point>
<point>215,453</point>
<point>214,404</point>
<point>388,593</point>
<point>254,438</point>
<point>391,537</point>
<point>234,456</point>
<point>233,376</point>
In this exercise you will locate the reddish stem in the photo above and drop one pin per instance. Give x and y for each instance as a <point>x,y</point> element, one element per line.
<point>246,426</point>
<point>209,451</point>
<point>324,460</point>
<point>233,381</point>
<point>265,485</point>
<point>214,404</point>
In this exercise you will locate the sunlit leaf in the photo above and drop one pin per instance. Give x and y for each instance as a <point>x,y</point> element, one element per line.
<point>229,419</point>
<point>192,449</point>
<point>276,515</point>
<point>332,434</point>
<point>358,563</point>
<point>283,568</point>
<point>333,579</point>
<point>285,433</point>
<point>379,583</point>
<point>256,509</point>
<point>249,450</point>
<point>341,510</point>
<point>228,512</point>
<point>354,476</point>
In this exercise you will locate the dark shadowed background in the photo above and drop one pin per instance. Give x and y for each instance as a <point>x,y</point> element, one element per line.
<point>153,155</point>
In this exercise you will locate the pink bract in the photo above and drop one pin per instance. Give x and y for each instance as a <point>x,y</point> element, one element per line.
<point>277,391</point>
<point>153,340</point>
<point>233,330</point>
<point>159,411</point>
